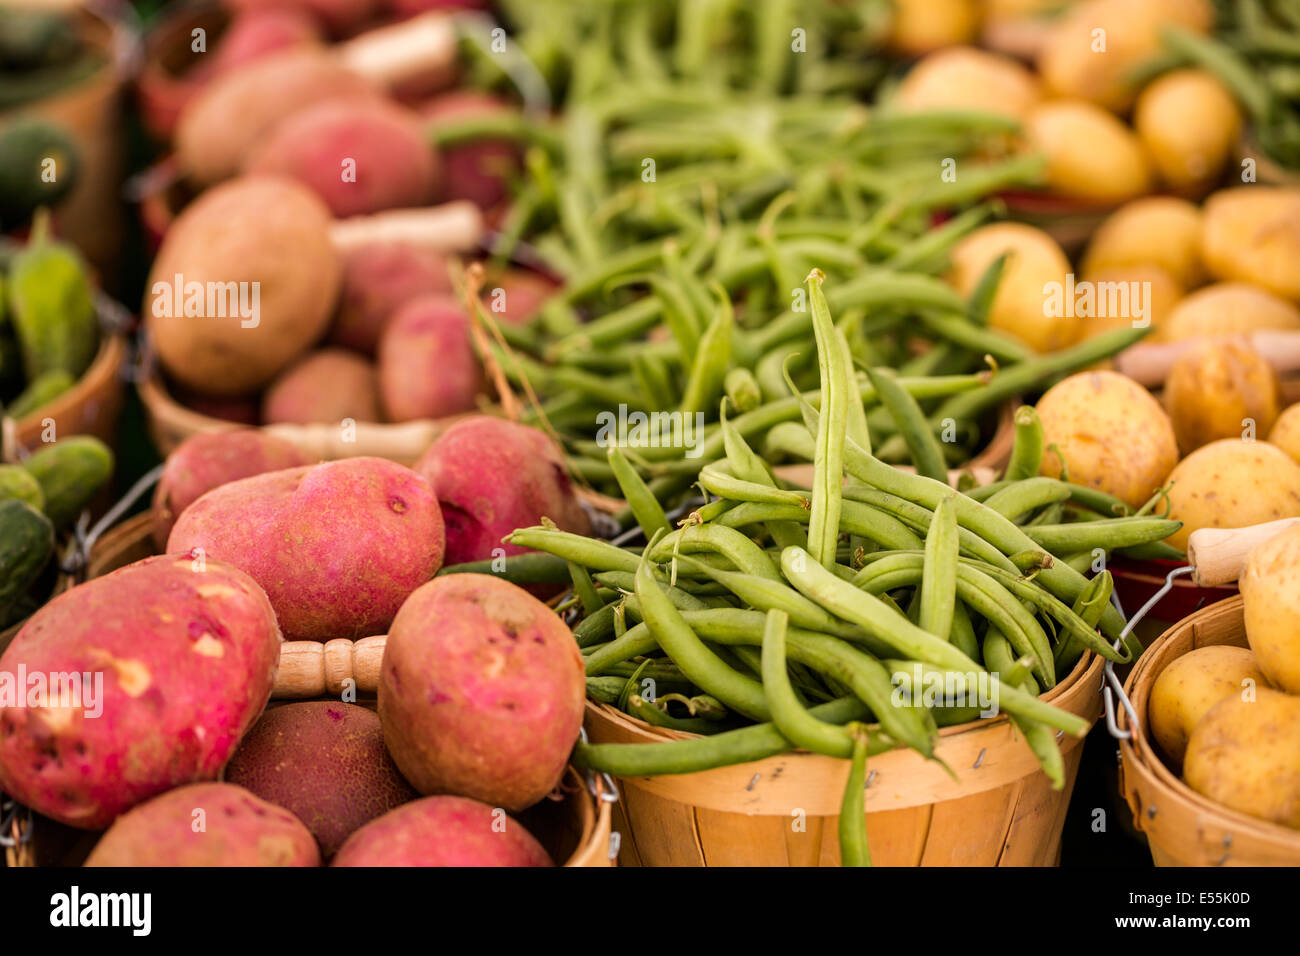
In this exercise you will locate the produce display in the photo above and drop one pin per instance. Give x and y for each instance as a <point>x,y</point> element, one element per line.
<point>653,432</point>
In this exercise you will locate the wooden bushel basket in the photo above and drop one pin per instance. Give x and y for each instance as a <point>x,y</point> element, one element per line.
<point>1182,827</point>
<point>784,810</point>
<point>576,828</point>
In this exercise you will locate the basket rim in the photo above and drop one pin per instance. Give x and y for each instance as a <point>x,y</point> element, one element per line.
<point>1139,753</point>
<point>101,372</point>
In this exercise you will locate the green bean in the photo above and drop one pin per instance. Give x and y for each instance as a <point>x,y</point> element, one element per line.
<point>1155,551</point>
<point>682,599</point>
<point>854,849</point>
<point>589,552</point>
<point>605,689</point>
<point>824,521</point>
<point>716,480</point>
<point>959,330</point>
<point>856,518</point>
<point>720,750</point>
<point>595,627</point>
<point>743,553</point>
<point>746,465</point>
<point>938,591</point>
<point>709,367</point>
<point>584,589</point>
<point>962,634</point>
<point>653,377</point>
<point>1094,599</point>
<point>1104,533</point>
<point>704,668</point>
<point>986,290</point>
<point>1027,452</point>
<point>649,513</point>
<point>925,450</point>
<point>532,568</point>
<point>639,707</point>
<point>788,714</point>
<point>1027,495</point>
<point>1230,67</point>
<point>742,389</point>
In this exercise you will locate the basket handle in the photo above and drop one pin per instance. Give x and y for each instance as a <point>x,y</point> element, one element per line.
<point>388,55</point>
<point>452,227</point>
<point>1150,363</point>
<point>312,669</point>
<point>1219,554</point>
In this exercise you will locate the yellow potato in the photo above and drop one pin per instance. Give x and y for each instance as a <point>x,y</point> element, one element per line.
<point>1091,155</point>
<point>1190,686</point>
<point>1158,229</point>
<point>1227,308</point>
<point>1220,390</point>
<point>1286,432</point>
<point>1020,307</point>
<point>1270,595</point>
<point>1113,434</point>
<point>1094,46</point>
<point>1189,125</point>
<point>1244,755</point>
<point>1232,483</point>
<point>1159,292</point>
<point>964,78</point>
<point>922,26</point>
<point>1252,233</point>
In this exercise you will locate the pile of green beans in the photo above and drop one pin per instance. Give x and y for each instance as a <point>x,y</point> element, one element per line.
<point>776,616</point>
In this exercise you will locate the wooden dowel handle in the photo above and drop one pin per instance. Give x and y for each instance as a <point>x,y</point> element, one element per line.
<point>403,443</point>
<point>1150,363</point>
<point>452,227</point>
<point>1219,554</point>
<point>389,55</point>
<point>312,669</point>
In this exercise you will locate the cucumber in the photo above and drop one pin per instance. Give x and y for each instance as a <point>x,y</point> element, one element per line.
<point>11,366</point>
<point>26,546</point>
<point>50,306</point>
<point>39,165</point>
<point>17,482</point>
<point>28,87</point>
<point>42,391</point>
<point>30,39</point>
<point>70,472</point>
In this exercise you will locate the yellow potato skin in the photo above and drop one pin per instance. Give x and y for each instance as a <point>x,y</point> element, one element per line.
<point>1216,387</point>
<point>1156,229</point>
<point>1286,432</point>
<point>1270,592</point>
<point>965,78</point>
<point>1091,155</point>
<point>1252,234</point>
<point>1113,433</point>
<point>1070,66</point>
<point>921,26</point>
<point>1232,483</point>
<point>1227,308</point>
<point>1243,755</point>
<point>1162,290</point>
<point>1019,308</point>
<point>1190,686</point>
<point>1189,124</point>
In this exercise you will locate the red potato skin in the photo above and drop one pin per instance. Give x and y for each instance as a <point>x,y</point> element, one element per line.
<point>206,461</point>
<point>325,762</point>
<point>380,141</point>
<point>235,828</point>
<point>409,8</point>
<point>492,476</point>
<point>479,171</point>
<point>188,658</point>
<point>378,279</point>
<point>343,17</point>
<point>326,386</point>
<point>442,831</point>
<point>256,32</point>
<point>427,364</point>
<point>521,297</point>
<point>481,691</point>
<point>337,546</point>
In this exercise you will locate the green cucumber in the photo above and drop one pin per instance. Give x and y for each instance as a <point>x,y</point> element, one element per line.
<point>17,482</point>
<point>26,546</point>
<point>39,164</point>
<point>50,306</point>
<point>39,393</point>
<point>70,472</point>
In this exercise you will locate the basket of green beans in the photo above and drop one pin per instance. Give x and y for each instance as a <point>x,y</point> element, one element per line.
<point>871,619</point>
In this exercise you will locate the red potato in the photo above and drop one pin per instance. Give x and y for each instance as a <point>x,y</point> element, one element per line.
<point>517,295</point>
<point>480,171</point>
<point>492,476</point>
<point>255,32</point>
<point>410,8</point>
<point>181,657</point>
<point>206,461</point>
<point>378,278</point>
<point>481,691</point>
<point>427,364</point>
<point>343,17</point>
<point>327,386</point>
<point>358,155</point>
<point>337,546</point>
<point>206,824</point>
<point>325,762</point>
<point>443,831</point>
